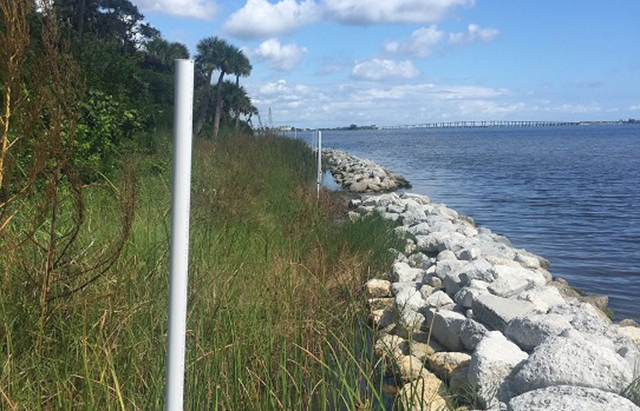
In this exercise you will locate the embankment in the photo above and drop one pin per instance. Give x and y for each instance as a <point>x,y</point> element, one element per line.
<point>467,318</point>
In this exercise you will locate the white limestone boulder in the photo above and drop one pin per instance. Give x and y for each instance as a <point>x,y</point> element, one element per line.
<point>403,272</point>
<point>493,359</point>
<point>445,327</point>
<point>439,299</point>
<point>572,361</point>
<point>497,311</point>
<point>570,398</point>
<point>471,333</point>
<point>531,331</point>
<point>378,288</point>
<point>542,297</point>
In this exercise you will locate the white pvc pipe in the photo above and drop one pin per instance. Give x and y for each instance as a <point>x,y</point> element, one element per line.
<point>319,181</point>
<point>179,243</point>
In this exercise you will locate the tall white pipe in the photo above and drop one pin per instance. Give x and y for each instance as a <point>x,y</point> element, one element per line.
<point>319,180</point>
<point>179,243</point>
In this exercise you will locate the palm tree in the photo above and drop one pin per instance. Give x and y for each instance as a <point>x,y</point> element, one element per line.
<point>236,101</point>
<point>206,62</point>
<point>241,67</point>
<point>160,54</point>
<point>214,53</point>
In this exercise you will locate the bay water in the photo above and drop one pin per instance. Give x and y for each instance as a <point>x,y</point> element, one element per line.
<point>569,193</point>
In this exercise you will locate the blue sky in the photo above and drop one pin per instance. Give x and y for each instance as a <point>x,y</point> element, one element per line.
<point>325,63</point>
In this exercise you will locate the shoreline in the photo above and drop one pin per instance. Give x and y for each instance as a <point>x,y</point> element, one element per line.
<point>458,294</point>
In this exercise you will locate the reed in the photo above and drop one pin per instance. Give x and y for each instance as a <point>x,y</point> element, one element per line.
<point>276,313</point>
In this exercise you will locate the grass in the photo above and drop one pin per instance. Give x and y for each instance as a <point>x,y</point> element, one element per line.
<point>276,308</point>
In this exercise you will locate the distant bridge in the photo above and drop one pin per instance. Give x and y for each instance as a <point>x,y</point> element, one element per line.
<point>488,123</point>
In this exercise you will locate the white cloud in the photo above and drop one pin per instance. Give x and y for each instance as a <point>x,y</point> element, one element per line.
<point>199,9</point>
<point>280,57</point>
<point>473,34</point>
<point>391,11</point>
<point>380,69</point>
<point>635,108</point>
<point>420,44</point>
<point>259,18</point>
<point>361,103</point>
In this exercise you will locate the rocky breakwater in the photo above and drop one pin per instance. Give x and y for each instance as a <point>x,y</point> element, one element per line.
<point>361,175</point>
<point>467,318</point>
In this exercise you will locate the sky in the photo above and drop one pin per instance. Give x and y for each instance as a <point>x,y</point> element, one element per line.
<point>332,63</point>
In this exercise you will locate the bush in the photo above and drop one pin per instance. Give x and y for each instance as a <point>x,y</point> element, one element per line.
<point>105,124</point>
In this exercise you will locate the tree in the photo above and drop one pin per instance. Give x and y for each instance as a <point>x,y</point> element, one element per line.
<point>236,101</point>
<point>214,53</point>
<point>241,67</point>
<point>206,63</point>
<point>160,54</point>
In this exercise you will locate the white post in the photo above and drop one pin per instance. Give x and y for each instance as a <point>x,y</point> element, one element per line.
<point>179,242</point>
<point>319,181</point>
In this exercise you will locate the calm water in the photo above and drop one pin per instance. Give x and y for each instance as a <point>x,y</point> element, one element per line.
<point>570,194</point>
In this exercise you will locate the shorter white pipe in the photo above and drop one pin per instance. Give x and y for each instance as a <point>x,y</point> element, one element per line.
<point>319,181</point>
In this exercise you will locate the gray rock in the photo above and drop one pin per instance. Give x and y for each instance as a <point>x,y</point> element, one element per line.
<point>466,295</point>
<point>571,361</point>
<point>419,198</point>
<point>494,358</point>
<point>543,297</point>
<point>426,291</point>
<point>383,319</point>
<point>600,301</point>
<point>403,272</point>
<point>378,288</point>
<point>479,269</point>
<point>439,299</point>
<point>508,286</point>
<point>409,322</point>
<point>423,228</point>
<point>471,333</point>
<point>468,254</point>
<point>497,311</point>
<point>419,260</point>
<point>534,278</point>
<point>397,287</point>
<point>446,255</point>
<point>570,398</point>
<point>391,346</point>
<point>445,327</point>
<point>583,317</point>
<point>530,331</point>
<point>409,298</point>
<point>434,282</point>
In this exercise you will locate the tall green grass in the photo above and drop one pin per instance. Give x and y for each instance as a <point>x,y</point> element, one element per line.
<point>275,313</point>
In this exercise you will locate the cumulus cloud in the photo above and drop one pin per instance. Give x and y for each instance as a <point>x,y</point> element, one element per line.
<point>260,18</point>
<point>280,57</point>
<point>380,69</point>
<point>420,44</point>
<point>199,9</point>
<point>391,11</point>
<point>473,34</point>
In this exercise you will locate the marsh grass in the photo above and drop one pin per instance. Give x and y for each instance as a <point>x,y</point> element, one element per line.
<point>276,308</point>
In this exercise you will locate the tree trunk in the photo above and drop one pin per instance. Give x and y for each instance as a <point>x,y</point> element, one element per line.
<point>237,107</point>
<point>202,114</point>
<point>216,117</point>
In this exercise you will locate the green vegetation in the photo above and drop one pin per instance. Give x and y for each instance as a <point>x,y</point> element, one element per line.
<point>275,302</point>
